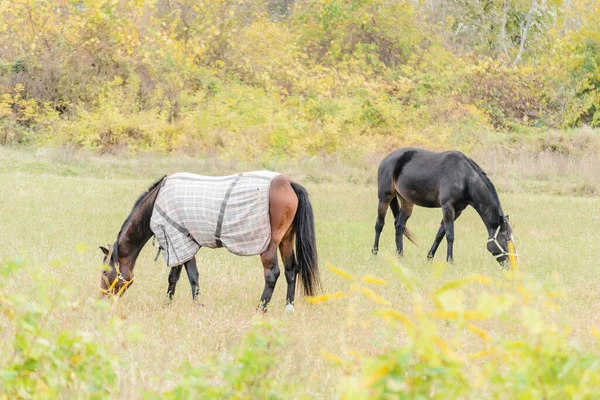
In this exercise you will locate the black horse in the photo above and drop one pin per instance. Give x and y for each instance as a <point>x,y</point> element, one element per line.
<point>449,180</point>
<point>290,215</point>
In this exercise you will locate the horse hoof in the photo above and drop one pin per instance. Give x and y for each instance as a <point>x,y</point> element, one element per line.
<point>374,251</point>
<point>261,310</point>
<point>399,254</point>
<point>289,309</point>
<point>429,258</point>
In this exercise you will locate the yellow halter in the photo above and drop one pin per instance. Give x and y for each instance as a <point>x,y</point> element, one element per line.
<point>119,277</point>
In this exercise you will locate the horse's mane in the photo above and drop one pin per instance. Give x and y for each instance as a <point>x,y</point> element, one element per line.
<point>136,206</point>
<point>487,181</point>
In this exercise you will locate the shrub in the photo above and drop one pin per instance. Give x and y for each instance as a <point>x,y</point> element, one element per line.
<point>45,362</point>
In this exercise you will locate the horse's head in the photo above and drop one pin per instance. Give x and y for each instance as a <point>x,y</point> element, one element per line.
<point>502,243</point>
<point>116,277</point>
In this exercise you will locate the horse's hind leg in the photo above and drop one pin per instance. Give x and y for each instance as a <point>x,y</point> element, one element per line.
<point>283,204</point>
<point>382,208</point>
<point>402,215</point>
<point>286,248</point>
<point>173,278</point>
<point>271,268</point>
<point>440,235</point>
<point>192,273</point>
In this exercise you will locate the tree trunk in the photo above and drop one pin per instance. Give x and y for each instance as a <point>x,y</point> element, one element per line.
<point>524,30</point>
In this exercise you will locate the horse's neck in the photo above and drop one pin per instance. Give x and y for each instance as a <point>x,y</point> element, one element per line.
<point>133,244</point>
<point>487,206</point>
<point>137,234</point>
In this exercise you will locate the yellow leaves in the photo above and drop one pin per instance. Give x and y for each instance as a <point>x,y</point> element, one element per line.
<point>395,315</point>
<point>376,376</point>
<point>325,297</point>
<point>374,280</point>
<point>461,282</point>
<point>439,342</point>
<point>15,106</point>
<point>331,357</point>
<point>479,332</point>
<point>481,354</point>
<point>373,296</point>
<point>556,294</point>
<point>7,308</point>
<point>341,273</point>
<point>5,105</point>
<point>595,332</point>
<point>512,258</point>
<point>75,360</point>
<point>454,315</point>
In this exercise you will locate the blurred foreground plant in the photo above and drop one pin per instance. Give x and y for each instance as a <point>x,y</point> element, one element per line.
<point>250,374</point>
<point>41,358</point>
<point>530,354</point>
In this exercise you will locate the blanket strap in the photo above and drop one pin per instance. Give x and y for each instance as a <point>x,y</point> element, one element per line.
<point>222,211</point>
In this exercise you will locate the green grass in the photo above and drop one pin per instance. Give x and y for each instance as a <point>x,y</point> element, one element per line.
<point>57,220</point>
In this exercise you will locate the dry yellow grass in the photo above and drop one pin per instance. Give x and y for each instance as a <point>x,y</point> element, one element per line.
<point>47,217</point>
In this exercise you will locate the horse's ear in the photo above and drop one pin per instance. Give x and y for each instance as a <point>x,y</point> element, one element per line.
<point>507,219</point>
<point>104,250</point>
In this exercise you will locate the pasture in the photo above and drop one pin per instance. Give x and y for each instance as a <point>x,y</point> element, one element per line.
<point>56,217</point>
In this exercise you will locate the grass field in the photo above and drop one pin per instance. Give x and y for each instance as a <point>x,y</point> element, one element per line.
<point>56,219</point>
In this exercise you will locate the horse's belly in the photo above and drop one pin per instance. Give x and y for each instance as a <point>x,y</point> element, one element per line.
<point>422,197</point>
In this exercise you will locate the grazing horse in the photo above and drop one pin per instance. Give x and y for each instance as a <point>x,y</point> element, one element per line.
<point>449,180</point>
<point>226,213</point>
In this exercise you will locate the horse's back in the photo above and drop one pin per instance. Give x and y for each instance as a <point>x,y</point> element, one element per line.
<point>193,211</point>
<point>421,176</point>
<point>419,160</point>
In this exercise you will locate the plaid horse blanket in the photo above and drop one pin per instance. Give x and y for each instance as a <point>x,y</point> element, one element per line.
<point>192,211</point>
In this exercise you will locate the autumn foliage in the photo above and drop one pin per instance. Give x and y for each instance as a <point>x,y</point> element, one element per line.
<point>271,78</point>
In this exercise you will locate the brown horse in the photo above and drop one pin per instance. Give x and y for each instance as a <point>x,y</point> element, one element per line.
<point>290,216</point>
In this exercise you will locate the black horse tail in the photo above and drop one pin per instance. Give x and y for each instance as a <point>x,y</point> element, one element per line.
<point>306,247</point>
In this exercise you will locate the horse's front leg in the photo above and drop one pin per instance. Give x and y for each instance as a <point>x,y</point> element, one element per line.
<point>192,273</point>
<point>440,235</point>
<point>173,278</point>
<point>436,242</point>
<point>271,269</point>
